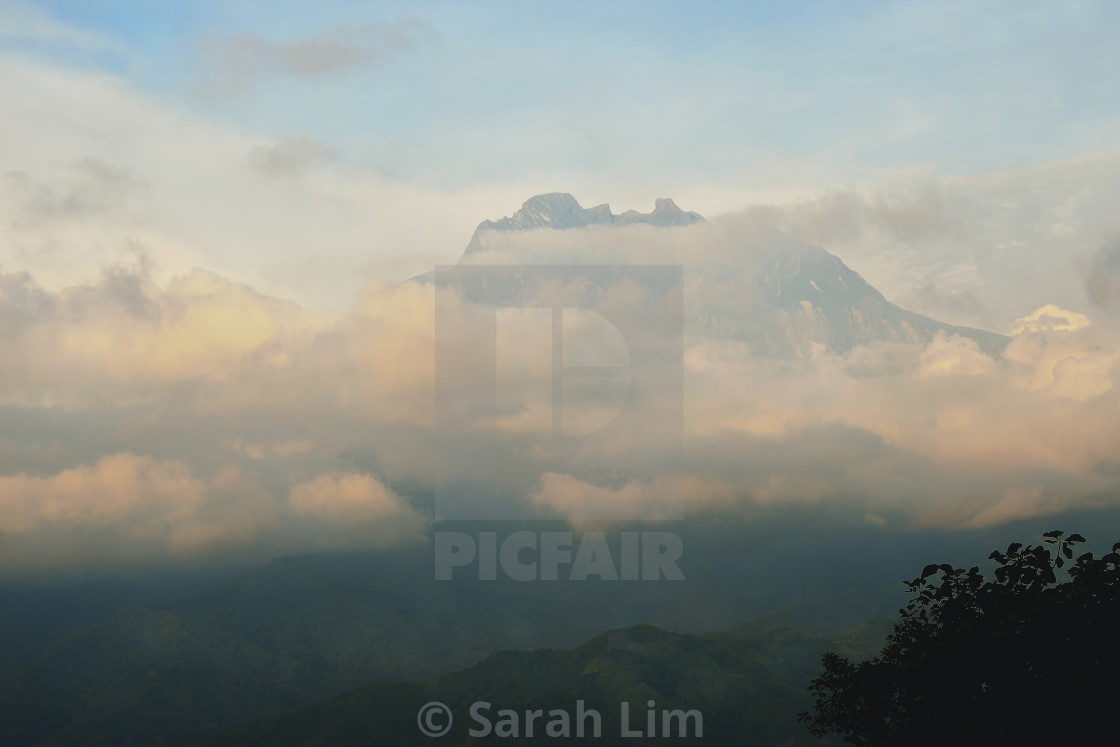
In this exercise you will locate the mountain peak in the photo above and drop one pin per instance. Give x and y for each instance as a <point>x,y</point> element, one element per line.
<point>665,213</point>
<point>559,211</point>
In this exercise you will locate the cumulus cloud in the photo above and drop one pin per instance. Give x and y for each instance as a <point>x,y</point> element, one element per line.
<point>351,510</point>
<point>202,414</point>
<point>953,355</point>
<point>1050,318</point>
<point>125,334</point>
<point>1061,352</point>
<point>129,509</point>
<point>321,423</point>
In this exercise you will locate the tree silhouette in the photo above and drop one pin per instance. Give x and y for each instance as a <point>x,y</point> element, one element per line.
<point>1023,656</point>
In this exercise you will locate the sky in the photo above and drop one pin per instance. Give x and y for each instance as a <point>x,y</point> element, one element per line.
<point>398,129</point>
<point>206,209</point>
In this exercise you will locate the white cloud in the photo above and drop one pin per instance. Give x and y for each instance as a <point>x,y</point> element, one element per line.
<point>128,509</point>
<point>26,22</point>
<point>123,171</point>
<point>210,416</point>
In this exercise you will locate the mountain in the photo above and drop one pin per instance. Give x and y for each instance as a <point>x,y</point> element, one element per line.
<point>781,296</point>
<point>794,296</point>
<point>302,630</point>
<point>31,619</point>
<point>147,676</point>
<point>748,691</point>
<point>559,210</point>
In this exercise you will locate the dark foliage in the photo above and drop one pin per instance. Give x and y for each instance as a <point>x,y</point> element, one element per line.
<point>1029,655</point>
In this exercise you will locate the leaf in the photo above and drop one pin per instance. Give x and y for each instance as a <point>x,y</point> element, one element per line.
<point>1014,548</point>
<point>1067,552</point>
<point>1075,538</point>
<point>1054,533</point>
<point>929,570</point>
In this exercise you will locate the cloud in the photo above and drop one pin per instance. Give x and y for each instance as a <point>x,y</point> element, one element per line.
<point>186,400</point>
<point>953,355</point>
<point>128,509</point>
<point>125,334</point>
<point>1061,352</point>
<point>1050,318</point>
<point>572,497</point>
<point>903,206</point>
<point>90,186</point>
<point>25,22</point>
<point>355,510</point>
<point>978,250</point>
<point>130,170</point>
<point>241,60</point>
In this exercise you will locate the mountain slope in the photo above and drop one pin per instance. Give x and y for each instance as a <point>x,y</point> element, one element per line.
<point>301,630</point>
<point>748,690</point>
<point>147,676</point>
<point>797,296</point>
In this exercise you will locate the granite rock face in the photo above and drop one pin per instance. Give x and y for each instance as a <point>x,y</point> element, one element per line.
<point>559,210</point>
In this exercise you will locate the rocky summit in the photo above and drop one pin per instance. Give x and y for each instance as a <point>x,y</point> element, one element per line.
<point>559,210</point>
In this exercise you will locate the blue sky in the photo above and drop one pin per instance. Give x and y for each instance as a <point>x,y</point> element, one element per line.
<point>736,93</point>
<point>393,130</point>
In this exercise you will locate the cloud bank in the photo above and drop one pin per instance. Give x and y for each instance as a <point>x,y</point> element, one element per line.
<point>142,420</point>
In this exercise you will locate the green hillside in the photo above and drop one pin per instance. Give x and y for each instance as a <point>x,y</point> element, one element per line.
<point>748,690</point>
<point>145,676</point>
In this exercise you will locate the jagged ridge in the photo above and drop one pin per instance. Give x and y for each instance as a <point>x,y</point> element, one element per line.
<point>559,210</point>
